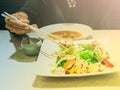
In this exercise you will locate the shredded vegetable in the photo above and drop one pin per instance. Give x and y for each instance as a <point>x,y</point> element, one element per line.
<point>81,58</point>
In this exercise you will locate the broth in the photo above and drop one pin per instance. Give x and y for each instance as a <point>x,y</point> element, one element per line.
<point>67,34</point>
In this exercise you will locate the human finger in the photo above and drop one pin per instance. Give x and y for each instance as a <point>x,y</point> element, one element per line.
<point>17,30</point>
<point>18,24</point>
<point>20,15</point>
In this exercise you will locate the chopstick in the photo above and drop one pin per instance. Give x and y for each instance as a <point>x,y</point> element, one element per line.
<point>7,15</point>
<point>36,30</point>
<point>47,55</point>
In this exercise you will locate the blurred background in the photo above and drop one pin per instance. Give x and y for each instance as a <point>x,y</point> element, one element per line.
<point>10,6</point>
<point>101,14</point>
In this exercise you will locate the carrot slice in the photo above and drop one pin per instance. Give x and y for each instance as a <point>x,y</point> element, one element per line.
<point>107,63</point>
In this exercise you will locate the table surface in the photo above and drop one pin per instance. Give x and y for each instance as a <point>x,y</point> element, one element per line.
<point>22,76</point>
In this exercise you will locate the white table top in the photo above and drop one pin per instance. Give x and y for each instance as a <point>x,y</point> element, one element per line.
<point>21,76</point>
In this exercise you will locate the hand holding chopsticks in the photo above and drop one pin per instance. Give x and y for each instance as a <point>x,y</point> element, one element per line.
<point>7,15</point>
<point>36,30</point>
<point>17,23</point>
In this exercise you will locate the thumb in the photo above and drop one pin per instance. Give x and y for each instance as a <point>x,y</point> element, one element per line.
<point>35,25</point>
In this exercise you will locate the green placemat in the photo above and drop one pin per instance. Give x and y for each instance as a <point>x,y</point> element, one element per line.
<point>19,55</point>
<point>111,80</point>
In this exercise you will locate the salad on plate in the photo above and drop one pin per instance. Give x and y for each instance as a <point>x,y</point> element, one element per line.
<point>81,58</point>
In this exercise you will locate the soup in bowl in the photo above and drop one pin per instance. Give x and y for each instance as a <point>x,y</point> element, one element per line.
<point>67,34</point>
<point>68,30</point>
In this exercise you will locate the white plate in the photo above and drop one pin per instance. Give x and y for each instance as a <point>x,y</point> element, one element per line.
<point>46,64</point>
<point>83,29</point>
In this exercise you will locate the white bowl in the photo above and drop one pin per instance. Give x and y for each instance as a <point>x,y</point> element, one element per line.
<point>83,29</point>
